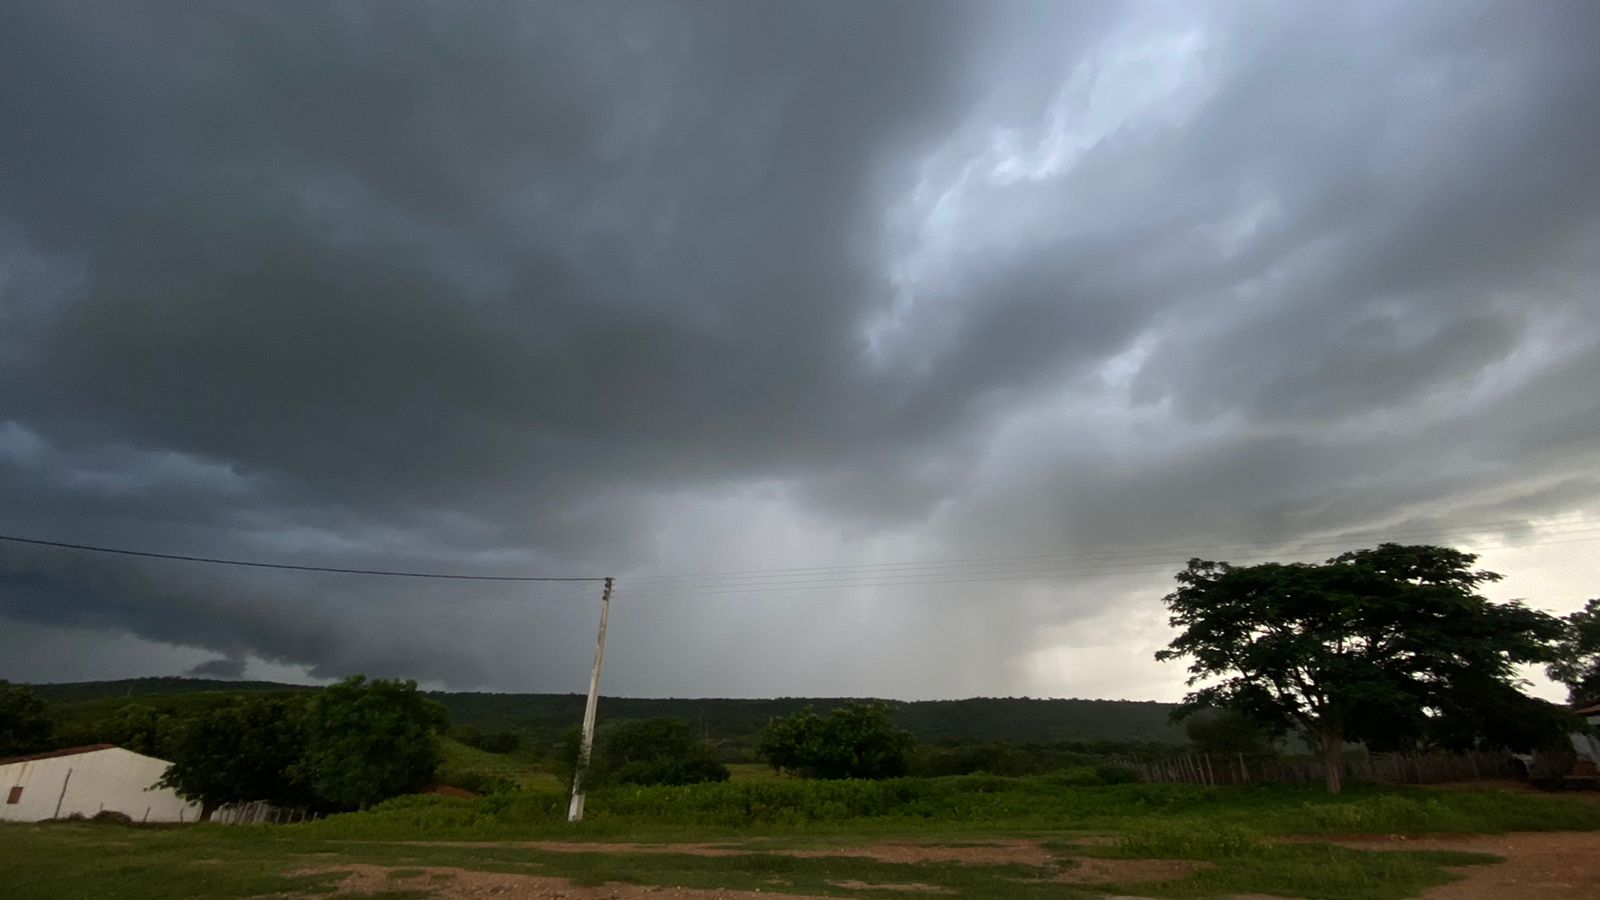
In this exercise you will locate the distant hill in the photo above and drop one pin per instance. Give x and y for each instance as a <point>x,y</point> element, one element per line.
<point>544,716</point>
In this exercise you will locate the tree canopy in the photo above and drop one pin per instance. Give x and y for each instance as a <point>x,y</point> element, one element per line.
<point>241,752</point>
<point>1371,645</point>
<point>855,740</point>
<point>1577,657</point>
<point>24,720</point>
<point>370,740</point>
<point>656,751</point>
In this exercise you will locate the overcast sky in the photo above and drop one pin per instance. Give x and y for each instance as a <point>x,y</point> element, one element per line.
<point>1067,292</point>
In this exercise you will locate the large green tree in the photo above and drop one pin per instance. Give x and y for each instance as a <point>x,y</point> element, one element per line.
<point>243,751</point>
<point>24,720</point>
<point>1362,647</point>
<point>367,741</point>
<point>855,740</point>
<point>1577,661</point>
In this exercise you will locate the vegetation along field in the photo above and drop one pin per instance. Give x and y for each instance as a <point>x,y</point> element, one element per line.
<point>376,788</point>
<point>974,836</point>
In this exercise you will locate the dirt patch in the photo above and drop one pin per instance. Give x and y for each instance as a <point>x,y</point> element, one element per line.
<point>461,884</point>
<point>1105,871</point>
<point>1027,853</point>
<point>602,847</point>
<point>913,887</point>
<point>1023,853</point>
<point>1538,865</point>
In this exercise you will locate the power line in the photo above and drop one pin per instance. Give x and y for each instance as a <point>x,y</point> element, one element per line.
<point>978,565</point>
<point>450,576</point>
<point>955,571</point>
<point>912,579</point>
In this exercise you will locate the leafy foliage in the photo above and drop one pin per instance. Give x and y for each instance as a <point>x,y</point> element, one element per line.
<point>240,752</point>
<point>1577,656</point>
<point>24,720</point>
<point>1227,732</point>
<point>142,729</point>
<point>856,740</point>
<point>369,740</point>
<point>657,751</point>
<point>961,806</point>
<point>1375,644</point>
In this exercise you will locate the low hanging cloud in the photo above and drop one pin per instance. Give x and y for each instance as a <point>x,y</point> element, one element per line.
<point>634,289</point>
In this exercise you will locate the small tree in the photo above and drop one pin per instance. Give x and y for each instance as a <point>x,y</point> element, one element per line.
<point>24,720</point>
<point>1228,732</point>
<point>240,752</point>
<point>856,740</point>
<point>1351,648</point>
<point>1577,658</point>
<point>656,751</point>
<point>367,741</point>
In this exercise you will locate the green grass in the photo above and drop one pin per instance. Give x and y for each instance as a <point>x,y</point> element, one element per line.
<point>468,766</point>
<point>970,804</point>
<point>752,772</point>
<point>66,861</point>
<point>1230,833</point>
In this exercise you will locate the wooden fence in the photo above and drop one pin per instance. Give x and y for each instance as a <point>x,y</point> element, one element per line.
<point>262,813</point>
<point>1381,768</point>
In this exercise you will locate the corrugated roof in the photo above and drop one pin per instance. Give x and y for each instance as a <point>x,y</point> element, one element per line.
<point>70,751</point>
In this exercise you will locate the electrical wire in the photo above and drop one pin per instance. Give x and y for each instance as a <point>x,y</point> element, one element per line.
<point>968,578</point>
<point>450,576</point>
<point>1051,561</point>
<point>957,571</point>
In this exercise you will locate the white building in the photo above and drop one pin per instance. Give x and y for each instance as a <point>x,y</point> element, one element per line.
<point>86,781</point>
<point>1587,745</point>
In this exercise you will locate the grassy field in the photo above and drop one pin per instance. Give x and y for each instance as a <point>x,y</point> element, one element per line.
<point>1221,842</point>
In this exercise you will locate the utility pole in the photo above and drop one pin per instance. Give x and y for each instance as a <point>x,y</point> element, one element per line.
<point>575,808</point>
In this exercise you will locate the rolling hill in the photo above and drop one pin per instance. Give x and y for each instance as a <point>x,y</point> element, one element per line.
<point>544,716</point>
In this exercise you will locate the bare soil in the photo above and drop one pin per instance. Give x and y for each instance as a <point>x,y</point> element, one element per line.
<point>461,884</point>
<point>1027,853</point>
<point>1537,866</point>
<point>1103,871</point>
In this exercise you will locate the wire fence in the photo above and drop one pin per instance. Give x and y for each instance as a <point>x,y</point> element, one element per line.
<point>262,813</point>
<point>1377,768</point>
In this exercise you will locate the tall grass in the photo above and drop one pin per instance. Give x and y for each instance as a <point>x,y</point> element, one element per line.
<point>962,804</point>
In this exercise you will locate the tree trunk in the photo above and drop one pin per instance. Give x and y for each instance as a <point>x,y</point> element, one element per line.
<point>206,809</point>
<point>1332,760</point>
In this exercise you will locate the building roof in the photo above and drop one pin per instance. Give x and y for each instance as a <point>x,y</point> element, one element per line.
<point>70,751</point>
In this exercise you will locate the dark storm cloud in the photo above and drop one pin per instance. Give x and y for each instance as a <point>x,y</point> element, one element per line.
<point>218,668</point>
<point>541,286</point>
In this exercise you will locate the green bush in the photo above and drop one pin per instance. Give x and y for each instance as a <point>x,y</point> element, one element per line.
<point>1081,777</point>
<point>1116,775</point>
<point>855,740</point>
<point>483,783</point>
<point>1158,819</point>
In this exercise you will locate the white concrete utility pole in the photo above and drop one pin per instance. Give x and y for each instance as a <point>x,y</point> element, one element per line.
<point>575,808</point>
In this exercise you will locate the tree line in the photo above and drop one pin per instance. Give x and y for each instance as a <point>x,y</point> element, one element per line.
<point>342,747</point>
<point>1393,648</point>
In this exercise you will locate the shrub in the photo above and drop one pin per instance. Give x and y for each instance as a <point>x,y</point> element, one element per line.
<point>654,751</point>
<point>1116,775</point>
<point>856,740</point>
